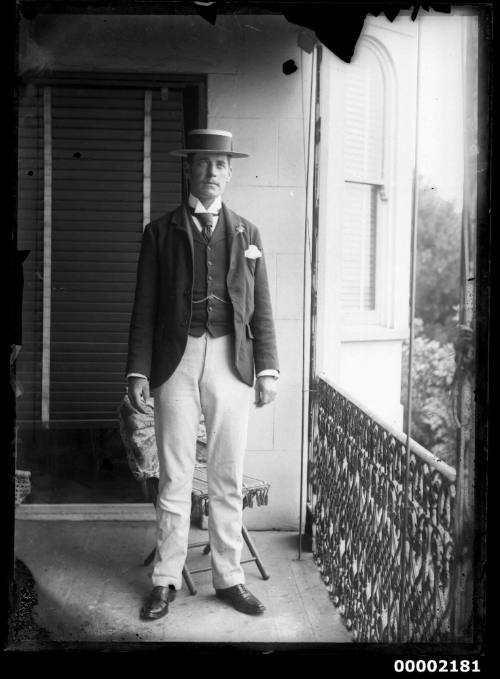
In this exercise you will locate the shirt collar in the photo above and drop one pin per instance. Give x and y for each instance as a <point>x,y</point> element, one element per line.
<point>194,203</point>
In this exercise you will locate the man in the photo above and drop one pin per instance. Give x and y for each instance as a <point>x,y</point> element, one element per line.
<point>201,329</point>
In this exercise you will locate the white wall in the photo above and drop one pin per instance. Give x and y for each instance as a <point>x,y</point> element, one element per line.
<point>263,108</point>
<point>371,371</point>
<point>366,359</point>
<point>249,95</point>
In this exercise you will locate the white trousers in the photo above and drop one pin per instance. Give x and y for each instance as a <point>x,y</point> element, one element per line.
<point>205,380</point>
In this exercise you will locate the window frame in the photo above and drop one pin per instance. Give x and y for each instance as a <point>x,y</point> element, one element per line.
<point>383,313</point>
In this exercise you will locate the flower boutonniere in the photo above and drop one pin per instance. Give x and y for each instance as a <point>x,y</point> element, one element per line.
<point>253,252</point>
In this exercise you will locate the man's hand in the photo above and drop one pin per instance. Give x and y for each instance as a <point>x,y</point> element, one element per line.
<point>266,388</point>
<point>138,393</point>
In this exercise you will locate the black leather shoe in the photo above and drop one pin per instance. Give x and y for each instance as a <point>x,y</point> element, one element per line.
<point>241,599</point>
<point>156,605</point>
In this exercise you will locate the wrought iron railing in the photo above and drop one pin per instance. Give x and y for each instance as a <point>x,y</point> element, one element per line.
<point>356,480</point>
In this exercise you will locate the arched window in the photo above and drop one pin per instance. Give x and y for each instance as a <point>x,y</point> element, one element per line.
<point>364,142</point>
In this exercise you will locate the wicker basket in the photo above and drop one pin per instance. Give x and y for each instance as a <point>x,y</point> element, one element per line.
<point>23,485</point>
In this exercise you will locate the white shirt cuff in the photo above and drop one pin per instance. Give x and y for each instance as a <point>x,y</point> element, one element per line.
<point>270,372</point>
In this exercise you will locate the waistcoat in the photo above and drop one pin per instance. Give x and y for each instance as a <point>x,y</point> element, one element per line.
<point>211,310</point>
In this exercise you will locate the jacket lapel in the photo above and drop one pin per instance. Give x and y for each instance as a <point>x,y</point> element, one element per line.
<point>238,242</point>
<point>182,222</point>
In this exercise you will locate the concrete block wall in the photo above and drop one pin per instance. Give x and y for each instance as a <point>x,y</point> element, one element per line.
<point>264,110</point>
<point>249,94</point>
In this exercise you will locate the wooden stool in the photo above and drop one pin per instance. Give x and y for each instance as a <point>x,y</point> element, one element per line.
<point>254,491</point>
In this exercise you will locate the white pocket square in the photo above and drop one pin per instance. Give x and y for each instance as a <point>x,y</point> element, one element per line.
<point>253,252</point>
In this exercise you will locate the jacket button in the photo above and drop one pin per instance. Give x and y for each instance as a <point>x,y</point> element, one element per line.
<point>187,291</point>
<point>210,278</point>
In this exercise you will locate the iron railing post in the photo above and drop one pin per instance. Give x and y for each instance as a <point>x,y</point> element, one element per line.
<point>314,259</point>
<point>402,633</point>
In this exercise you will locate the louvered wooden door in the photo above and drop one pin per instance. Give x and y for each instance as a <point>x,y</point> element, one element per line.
<point>30,184</point>
<point>102,169</point>
<point>98,192</point>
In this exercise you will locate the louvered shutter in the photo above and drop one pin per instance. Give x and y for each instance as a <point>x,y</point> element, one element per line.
<point>359,247</point>
<point>166,134</point>
<point>30,237</point>
<point>364,119</point>
<point>98,181</point>
<point>97,213</point>
<point>98,151</point>
<point>363,172</point>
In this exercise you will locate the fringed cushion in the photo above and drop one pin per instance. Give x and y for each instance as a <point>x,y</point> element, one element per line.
<point>255,491</point>
<point>137,431</point>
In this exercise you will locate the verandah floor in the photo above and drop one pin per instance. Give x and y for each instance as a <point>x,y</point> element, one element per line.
<point>91,582</point>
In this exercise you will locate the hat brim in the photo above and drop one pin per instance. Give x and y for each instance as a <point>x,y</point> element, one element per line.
<point>186,152</point>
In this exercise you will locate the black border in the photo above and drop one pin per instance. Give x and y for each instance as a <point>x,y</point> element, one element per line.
<point>354,656</point>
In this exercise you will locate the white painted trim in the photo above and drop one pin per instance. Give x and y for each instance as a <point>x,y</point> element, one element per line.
<point>221,133</point>
<point>372,333</point>
<point>86,512</point>
<point>146,204</point>
<point>47,251</point>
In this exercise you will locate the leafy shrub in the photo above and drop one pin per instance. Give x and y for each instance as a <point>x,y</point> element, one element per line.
<point>438,265</point>
<point>433,423</point>
<point>436,304</point>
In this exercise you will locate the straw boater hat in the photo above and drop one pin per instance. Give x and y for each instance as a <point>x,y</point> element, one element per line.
<point>209,141</point>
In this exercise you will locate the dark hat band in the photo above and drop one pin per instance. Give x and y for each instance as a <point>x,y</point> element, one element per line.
<point>210,142</point>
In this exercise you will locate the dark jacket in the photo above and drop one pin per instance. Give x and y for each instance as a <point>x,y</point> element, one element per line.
<point>162,305</point>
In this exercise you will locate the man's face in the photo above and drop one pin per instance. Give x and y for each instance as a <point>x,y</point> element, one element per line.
<point>208,175</point>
